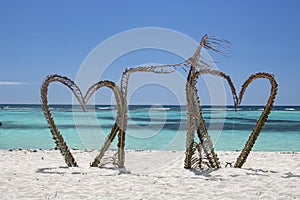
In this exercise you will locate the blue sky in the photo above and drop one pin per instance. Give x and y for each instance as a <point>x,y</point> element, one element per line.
<point>38,38</point>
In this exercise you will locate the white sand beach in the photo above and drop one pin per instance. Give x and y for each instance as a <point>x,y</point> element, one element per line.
<point>150,175</point>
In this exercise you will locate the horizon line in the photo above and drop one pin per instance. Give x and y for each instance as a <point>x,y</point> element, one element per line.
<point>62,104</point>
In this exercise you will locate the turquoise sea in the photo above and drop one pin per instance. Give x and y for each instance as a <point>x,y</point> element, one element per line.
<point>149,127</point>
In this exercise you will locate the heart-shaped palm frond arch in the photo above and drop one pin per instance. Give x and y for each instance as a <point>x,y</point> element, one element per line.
<point>196,66</point>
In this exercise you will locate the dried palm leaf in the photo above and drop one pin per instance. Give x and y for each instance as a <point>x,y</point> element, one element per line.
<point>196,160</point>
<point>58,138</point>
<point>263,117</point>
<point>218,45</point>
<point>162,69</point>
<point>59,141</point>
<point>195,119</point>
<point>115,128</point>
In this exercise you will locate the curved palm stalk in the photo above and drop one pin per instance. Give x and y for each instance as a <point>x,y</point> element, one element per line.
<point>115,128</point>
<point>222,75</point>
<point>194,63</point>
<point>194,115</point>
<point>191,122</point>
<point>58,138</point>
<point>163,69</point>
<point>263,117</point>
<point>201,129</point>
<point>190,98</point>
<point>195,112</point>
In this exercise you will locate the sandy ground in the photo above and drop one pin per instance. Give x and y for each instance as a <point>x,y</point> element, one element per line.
<point>149,175</point>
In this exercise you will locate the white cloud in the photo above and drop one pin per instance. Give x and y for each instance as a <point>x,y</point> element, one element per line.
<point>11,83</point>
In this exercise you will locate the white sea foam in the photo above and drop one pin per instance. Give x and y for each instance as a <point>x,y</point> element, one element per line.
<point>221,109</point>
<point>160,109</point>
<point>105,108</point>
<point>289,109</point>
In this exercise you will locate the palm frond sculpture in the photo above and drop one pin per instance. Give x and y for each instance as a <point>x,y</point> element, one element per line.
<point>263,117</point>
<point>58,138</point>
<point>196,120</point>
<point>193,63</point>
<point>115,128</point>
<point>196,66</point>
<point>59,141</point>
<point>122,120</point>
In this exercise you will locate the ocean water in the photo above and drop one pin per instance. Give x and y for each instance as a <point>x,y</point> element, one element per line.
<point>149,127</point>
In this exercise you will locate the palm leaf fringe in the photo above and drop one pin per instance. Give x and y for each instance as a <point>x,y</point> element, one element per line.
<point>196,160</point>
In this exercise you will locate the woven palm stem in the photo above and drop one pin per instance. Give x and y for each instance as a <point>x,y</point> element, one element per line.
<point>115,128</point>
<point>56,135</point>
<point>263,117</point>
